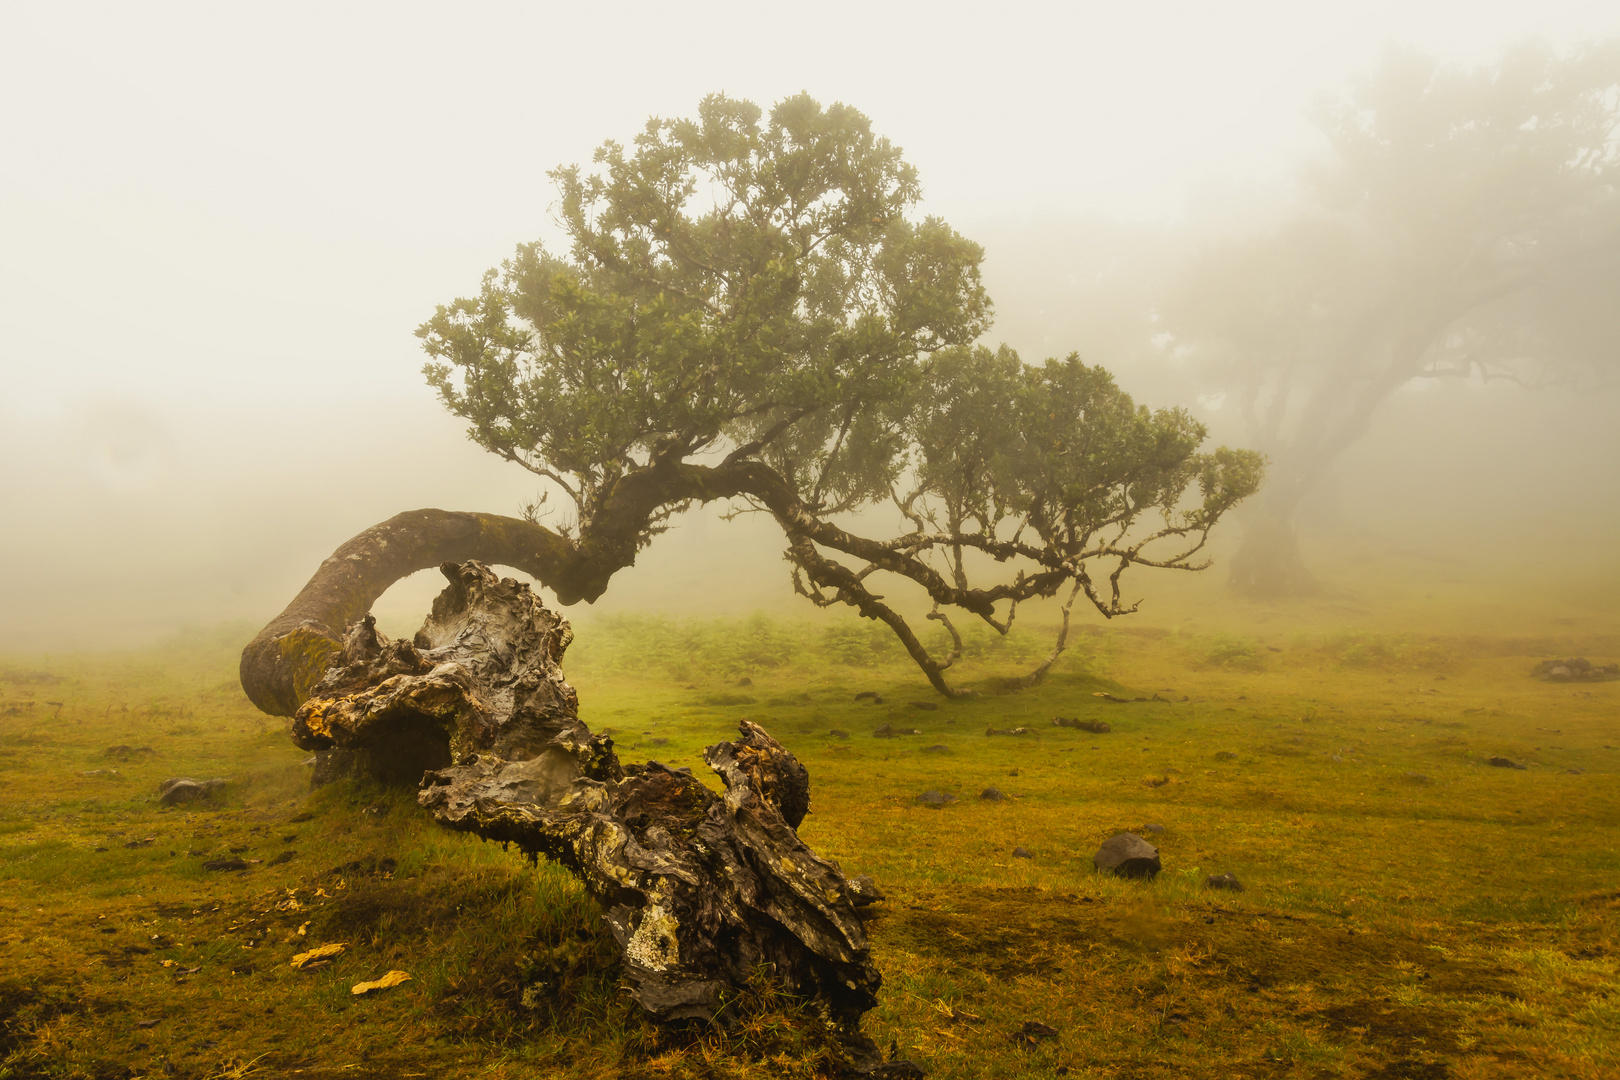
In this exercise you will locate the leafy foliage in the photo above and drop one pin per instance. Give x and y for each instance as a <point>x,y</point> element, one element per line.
<point>726,277</point>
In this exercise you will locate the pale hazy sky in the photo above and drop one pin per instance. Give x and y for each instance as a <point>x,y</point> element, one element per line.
<point>219,223</point>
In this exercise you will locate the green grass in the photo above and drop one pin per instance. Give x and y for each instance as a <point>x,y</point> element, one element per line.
<point>1409,910</point>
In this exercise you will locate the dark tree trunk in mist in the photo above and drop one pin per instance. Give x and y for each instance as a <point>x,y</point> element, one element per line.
<point>703,892</point>
<point>1267,563</point>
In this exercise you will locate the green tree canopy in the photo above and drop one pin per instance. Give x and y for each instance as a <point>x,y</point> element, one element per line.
<point>749,311</point>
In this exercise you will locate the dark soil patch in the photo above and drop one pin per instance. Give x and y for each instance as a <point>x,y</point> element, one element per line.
<point>25,1006</point>
<point>1404,1029</point>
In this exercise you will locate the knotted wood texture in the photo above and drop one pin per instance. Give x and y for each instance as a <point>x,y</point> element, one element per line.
<point>703,891</point>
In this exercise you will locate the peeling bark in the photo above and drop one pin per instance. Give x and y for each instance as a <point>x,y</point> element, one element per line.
<point>703,891</point>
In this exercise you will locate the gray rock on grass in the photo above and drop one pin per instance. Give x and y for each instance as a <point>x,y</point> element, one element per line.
<point>1227,880</point>
<point>864,891</point>
<point>936,799</point>
<point>1127,855</point>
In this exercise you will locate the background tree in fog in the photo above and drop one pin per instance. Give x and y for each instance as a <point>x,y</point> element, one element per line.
<point>1465,225</point>
<point>747,311</point>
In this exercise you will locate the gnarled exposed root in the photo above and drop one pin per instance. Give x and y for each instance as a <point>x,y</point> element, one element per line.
<point>701,890</point>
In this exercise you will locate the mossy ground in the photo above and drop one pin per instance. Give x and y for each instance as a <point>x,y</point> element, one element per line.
<point>1410,911</point>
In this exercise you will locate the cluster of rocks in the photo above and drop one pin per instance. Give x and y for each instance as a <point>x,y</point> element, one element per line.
<point>1575,669</point>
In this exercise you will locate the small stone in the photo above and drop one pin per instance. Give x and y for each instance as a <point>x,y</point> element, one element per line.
<point>1506,763</point>
<point>866,694</point>
<point>655,742</point>
<point>889,731</point>
<point>937,748</point>
<point>838,733</point>
<point>1023,853</point>
<point>1150,827</point>
<point>745,681</point>
<point>936,799</point>
<point>863,891</point>
<point>1127,855</point>
<point>1224,881</point>
<point>991,794</point>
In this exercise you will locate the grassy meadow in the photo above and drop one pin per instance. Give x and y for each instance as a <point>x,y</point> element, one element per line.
<point>1409,911</point>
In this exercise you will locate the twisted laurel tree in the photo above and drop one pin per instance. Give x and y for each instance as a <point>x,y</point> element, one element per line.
<point>748,312</point>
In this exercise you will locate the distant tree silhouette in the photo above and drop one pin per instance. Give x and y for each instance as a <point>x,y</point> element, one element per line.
<point>1466,225</point>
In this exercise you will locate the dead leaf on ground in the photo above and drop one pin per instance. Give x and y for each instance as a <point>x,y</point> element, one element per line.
<point>393,978</point>
<point>324,952</point>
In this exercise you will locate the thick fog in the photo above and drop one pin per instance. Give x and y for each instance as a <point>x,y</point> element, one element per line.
<point>219,227</point>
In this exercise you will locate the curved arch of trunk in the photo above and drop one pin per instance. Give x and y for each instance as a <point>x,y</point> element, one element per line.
<point>291,654</point>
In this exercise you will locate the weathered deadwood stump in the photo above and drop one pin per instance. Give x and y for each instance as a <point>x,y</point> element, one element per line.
<point>702,891</point>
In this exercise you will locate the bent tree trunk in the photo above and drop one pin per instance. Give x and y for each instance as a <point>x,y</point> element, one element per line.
<point>292,653</point>
<point>1267,563</point>
<point>702,891</point>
